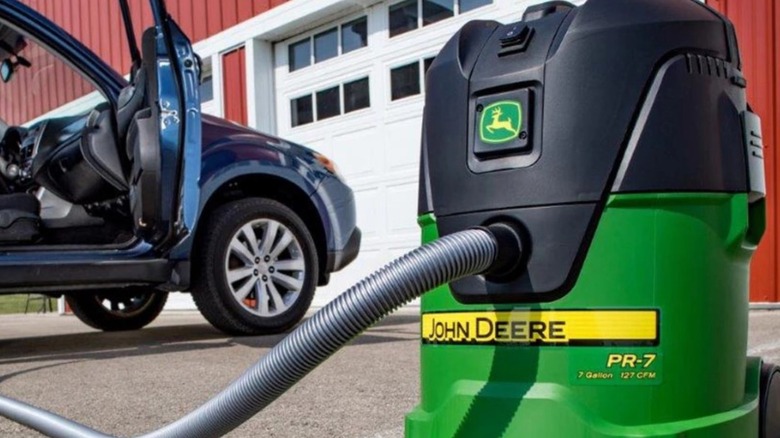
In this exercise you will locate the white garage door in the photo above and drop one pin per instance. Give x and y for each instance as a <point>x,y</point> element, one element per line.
<point>353,90</point>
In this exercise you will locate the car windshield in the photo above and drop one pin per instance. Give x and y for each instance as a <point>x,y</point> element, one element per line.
<point>11,43</point>
<point>3,127</point>
<point>37,83</point>
<point>99,25</point>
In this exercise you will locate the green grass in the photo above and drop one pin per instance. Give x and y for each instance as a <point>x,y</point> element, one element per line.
<point>10,304</point>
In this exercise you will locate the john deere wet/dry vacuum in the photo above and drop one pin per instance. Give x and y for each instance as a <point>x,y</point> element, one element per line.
<point>599,168</point>
<point>615,139</point>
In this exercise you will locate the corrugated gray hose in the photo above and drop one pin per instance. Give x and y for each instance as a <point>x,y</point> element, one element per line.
<point>361,306</point>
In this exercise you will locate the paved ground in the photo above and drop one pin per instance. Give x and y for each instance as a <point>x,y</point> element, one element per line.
<point>128,383</point>
<point>765,335</point>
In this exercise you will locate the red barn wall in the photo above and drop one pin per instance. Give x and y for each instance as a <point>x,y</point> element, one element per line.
<point>98,25</point>
<point>758,29</point>
<point>234,85</point>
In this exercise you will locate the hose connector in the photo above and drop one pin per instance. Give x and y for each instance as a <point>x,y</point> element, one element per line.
<point>510,255</point>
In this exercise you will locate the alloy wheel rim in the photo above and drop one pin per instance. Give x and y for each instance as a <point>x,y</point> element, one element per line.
<point>125,305</point>
<point>265,267</point>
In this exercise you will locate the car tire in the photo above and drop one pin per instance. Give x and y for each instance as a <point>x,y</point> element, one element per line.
<point>769,401</point>
<point>118,310</point>
<point>256,269</point>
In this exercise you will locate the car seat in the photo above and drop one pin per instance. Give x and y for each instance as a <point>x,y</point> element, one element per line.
<point>85,168</point>
<point>20,220</point>
<point>142,139</point>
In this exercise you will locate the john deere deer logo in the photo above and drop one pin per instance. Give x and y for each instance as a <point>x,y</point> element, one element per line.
<point>501,122</point>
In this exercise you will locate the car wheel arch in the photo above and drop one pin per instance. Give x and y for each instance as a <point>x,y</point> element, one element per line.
<point>277,188</point>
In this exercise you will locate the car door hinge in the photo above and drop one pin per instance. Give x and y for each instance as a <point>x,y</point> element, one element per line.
<point>168,116</point>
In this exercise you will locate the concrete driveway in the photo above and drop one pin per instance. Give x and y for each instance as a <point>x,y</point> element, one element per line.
<point>129,383</point>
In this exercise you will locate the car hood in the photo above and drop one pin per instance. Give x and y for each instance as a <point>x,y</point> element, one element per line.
<point>220,132</point>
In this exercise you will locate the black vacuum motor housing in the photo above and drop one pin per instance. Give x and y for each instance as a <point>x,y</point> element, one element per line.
<point>535,123</point>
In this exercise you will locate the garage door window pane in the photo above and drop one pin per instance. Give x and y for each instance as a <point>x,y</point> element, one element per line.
<point>354,35</point>
<point>405,81</point>
<point>426,66</point>
<point>300,55</point>
<point>468,5</point>
<point>427,62</point>
<point>403,17</point>
<point>328,103</point>
<point>207,89</point>
<point>437,10</point>
<point>326,45</point>
<point>206,82</point>
<point>302,111</point>
<point>356,95</point>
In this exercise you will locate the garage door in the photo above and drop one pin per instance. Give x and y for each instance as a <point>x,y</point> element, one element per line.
<point>354,90</point>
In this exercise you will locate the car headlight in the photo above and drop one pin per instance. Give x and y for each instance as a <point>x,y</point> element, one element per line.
<point>329,165</point>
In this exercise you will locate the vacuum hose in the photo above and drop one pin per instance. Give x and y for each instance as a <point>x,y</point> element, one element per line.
<point>445,260</point>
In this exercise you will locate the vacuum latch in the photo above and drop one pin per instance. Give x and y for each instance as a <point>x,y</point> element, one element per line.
<point>539,11</point>
<point>755,156</point>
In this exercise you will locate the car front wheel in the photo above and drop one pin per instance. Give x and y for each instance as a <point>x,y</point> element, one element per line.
<point>257,270</point>
<point>118,310</point>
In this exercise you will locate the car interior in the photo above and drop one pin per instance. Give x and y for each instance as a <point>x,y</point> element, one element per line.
<point>85,179</point>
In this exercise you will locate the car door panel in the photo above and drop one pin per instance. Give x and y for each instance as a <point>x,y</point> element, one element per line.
<point>173,79</point>
<point>191,139</point>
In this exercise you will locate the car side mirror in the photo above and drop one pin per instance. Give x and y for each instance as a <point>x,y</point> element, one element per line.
<point>6,70</point>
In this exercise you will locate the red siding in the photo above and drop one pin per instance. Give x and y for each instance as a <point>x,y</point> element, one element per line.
<point>100,25</point>
<point>50,83</point>
<point>199,20</point>
<point>234,89</point>
<point>97,24</point>
<point>758,29</point>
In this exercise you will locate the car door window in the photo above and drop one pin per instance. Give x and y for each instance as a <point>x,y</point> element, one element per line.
<point>41,85</point>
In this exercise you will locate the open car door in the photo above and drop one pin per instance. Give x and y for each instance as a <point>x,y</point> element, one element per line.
<point>166,147</point>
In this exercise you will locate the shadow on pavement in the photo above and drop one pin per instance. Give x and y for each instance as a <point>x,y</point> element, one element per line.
<point>167,340</point>
<point>9,376</point>
<point>98,345</point>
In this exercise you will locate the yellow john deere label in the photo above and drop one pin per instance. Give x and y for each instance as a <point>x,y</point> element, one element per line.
<point>543,327</point>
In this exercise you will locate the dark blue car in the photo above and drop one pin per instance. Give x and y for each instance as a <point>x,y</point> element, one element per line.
<point>128,192</point>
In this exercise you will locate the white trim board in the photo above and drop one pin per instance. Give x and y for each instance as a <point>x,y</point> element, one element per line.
<point>279,23</point>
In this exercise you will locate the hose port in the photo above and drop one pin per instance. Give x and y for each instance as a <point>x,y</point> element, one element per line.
<point>511,257</point>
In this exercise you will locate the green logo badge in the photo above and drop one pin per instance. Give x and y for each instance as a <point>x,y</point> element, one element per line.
<point>501,122</point>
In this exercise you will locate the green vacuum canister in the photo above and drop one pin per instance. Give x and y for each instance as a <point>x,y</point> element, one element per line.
<point>615,140</point>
